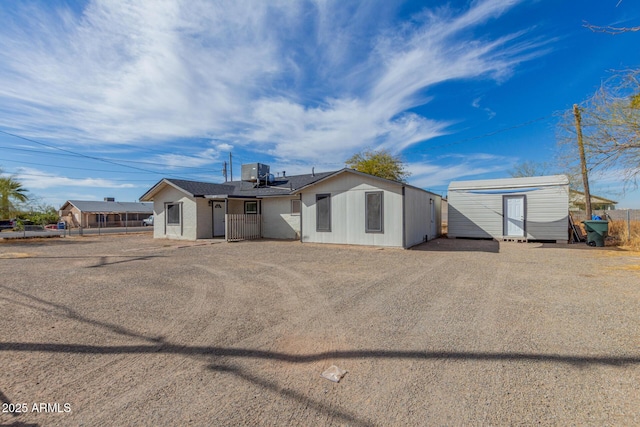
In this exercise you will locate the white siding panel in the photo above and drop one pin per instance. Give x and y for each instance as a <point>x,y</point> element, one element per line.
<point>474,215</point>
<point>532,181</point>
<point>277,221</point>
<point>547,214</point>
<point>348,212</point>
<point>418,216</point>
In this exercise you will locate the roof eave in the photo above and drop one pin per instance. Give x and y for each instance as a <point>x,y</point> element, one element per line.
<point>148,196</point>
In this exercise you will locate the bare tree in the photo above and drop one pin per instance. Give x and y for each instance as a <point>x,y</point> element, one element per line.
<point>610,122</point>
<point>611,126</point>
<point>609,29</point>
<point>530,168</point>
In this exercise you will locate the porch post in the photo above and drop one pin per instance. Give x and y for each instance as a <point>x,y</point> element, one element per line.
<point>226,218</point>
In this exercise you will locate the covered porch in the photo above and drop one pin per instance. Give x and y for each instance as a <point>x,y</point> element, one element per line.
<point>236,219</point>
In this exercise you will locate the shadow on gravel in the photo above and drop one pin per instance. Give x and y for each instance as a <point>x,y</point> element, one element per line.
<point>19,424</point>
<point>578,247</point>
<point>101,260</point>
<point>5,399</point>
<point>60,310</point>
<point>350,419</point>
<point>47,241</point>
<point>245,353</point>
<point>444,244</point>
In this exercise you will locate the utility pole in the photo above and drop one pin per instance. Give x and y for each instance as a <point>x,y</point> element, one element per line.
<point>224,171</point>
<point>231,166</point>
<point>583,161</point>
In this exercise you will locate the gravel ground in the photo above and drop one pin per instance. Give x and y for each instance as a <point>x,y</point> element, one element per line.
<point>127,330</point>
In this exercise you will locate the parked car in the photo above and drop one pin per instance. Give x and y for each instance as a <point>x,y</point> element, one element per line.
<point>147,221</point>
<point>7,224</point>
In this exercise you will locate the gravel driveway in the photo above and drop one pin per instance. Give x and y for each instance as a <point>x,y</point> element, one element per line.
<point>127,330</point>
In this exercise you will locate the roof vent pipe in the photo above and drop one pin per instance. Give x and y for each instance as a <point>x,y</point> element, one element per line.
<point>284,174</point>
<point>313,171</point>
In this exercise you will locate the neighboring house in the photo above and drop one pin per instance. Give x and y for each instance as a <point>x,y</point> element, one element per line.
<point>108,213</point>
<point>345,206</point>
<point>577,202</point>
<point>531,208</point>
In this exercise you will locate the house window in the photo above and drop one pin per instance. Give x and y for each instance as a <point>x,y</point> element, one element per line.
<point>250,208</point>
<point>323,212</point>
<point>374,212</point>
<point>295,207</point>
<point>174,213</point>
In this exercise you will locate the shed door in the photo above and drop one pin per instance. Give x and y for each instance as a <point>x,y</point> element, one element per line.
<point>514,216</point>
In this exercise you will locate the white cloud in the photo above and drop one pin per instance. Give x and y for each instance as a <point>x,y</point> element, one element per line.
<point>173,161</point>
<point>476,104</point>
<point>249,73</point>
<point>440,172</point>
<point>224,147</point>
<point>34,179</point>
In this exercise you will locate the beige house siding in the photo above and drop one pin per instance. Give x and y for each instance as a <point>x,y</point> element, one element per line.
<point>186,230</point>
<point>277,220</point>
<point>204,211</point>
<point>348,211</point>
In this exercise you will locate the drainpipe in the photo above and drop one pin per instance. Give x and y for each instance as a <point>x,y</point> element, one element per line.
<point>300,217</point>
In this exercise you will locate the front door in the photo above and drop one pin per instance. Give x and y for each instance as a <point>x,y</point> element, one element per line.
<point>514,216</point>
<point>218,218</point>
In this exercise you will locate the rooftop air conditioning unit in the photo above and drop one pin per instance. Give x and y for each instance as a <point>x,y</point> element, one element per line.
<point>255,172</point>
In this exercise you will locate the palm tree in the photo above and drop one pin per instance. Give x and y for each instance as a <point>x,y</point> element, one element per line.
<point>10,190</point>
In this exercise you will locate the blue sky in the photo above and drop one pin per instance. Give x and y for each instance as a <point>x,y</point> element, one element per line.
<point>105,98</point>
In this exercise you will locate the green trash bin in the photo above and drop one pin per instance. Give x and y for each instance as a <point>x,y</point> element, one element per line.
<point>596,232</point>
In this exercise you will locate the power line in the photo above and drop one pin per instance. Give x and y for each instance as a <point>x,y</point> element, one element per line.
<point>46,175</point>
<point>77,154</point>
<point>68,167</point>
<point>488,134</point>
<point>92,169</point>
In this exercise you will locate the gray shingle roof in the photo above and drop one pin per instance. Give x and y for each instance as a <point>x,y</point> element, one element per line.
<point>281,186</point>
<point>115,207</point>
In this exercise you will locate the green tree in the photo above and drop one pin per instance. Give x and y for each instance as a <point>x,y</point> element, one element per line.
<point>43,215</point>
<point>10,191</point>
<point>379,163</point>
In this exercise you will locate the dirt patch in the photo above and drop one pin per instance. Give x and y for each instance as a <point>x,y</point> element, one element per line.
<point>128,330</point>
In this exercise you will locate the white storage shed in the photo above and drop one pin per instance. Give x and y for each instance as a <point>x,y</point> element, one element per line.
<point>522,209</point>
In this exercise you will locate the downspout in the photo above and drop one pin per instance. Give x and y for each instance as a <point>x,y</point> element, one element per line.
<point>404,220</point>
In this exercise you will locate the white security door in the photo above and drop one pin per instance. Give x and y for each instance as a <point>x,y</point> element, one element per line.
<point>514,216</point>
<point>218,218</point>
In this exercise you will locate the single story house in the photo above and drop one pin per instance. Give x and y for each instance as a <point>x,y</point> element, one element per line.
<point>522,209</point>
<point>107,213</point>
<point>344,207</point>
<point>577,202</point>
